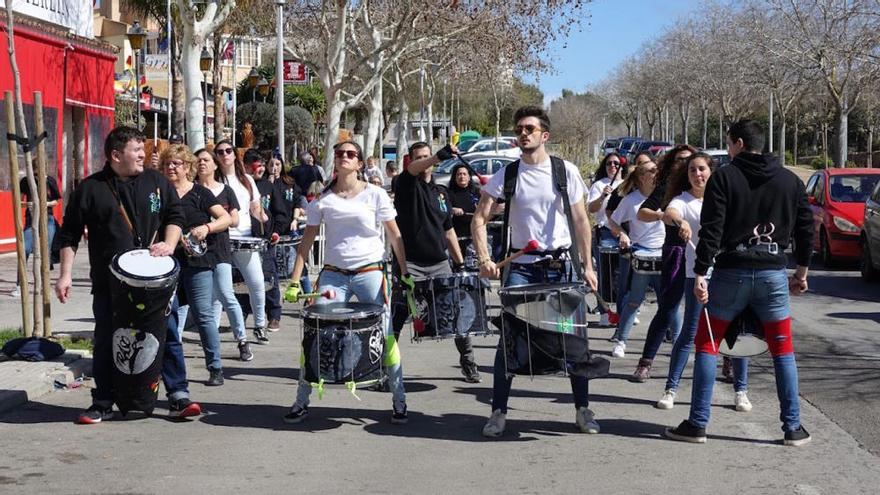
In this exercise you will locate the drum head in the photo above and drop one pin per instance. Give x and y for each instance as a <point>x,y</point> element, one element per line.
<point>746,345</point>
<point>532,289</point>
<point>648,254</point>
<point>139,264</point>
<point>342,311</point>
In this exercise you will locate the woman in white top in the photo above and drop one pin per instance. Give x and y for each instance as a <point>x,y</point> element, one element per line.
<point>608,177</point>
<point>354,214</point>
<point>249,263</point>
<point>642,235</point>
<point>686,188</point>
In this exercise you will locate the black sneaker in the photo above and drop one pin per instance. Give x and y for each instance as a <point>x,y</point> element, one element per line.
<point>244,351</point>
<point>470,372</point>
<point>261,335</point>
<point>94,415</point>
<point>216,378</point>
<point>296,415</point>
<point>686,432</point>
<point>797,437</point>
<point>184,408</point>
<point>398,417</point>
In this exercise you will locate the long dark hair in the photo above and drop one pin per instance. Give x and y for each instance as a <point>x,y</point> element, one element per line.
<point>360,174</point>
<point>679,181</point>
<point>218,174</point>
<point>239,169</point>
<point>453,185</point>
<point>285,178</point>
<point>665,166</point>
<point>602,172</point>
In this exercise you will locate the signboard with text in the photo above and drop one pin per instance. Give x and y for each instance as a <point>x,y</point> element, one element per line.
<point>295,72</point>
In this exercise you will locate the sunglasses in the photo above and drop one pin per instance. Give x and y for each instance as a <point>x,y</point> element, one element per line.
<point>350,154</point>
<point>528,128</point>
<point>616,164</point>
<point>224,151</point>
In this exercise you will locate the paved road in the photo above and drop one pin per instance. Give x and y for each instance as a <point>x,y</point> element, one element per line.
<point>241,444</point>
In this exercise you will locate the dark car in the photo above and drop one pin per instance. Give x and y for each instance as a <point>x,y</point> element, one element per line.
<point>644,146</point>
<point>869,237</point>
<point>626,145</point>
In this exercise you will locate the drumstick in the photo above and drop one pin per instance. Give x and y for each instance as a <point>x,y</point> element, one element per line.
<point>329,294</point>
<point>531,246</point>
<point>709,326</point>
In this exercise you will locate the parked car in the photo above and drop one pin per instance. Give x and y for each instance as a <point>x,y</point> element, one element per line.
<point>869,237</point>
<point>720,157</point>
<point>504,147</point>
<point>625,145</point>
<point>837,197</point>
<point>643,146</point>
<point>610,145</point>
<point>484,164</point>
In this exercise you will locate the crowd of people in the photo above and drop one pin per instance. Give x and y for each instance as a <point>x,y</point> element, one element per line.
<point>657,222</point>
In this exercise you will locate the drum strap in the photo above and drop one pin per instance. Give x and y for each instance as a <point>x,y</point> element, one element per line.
<point>124,213</point>
<point>372,267</point>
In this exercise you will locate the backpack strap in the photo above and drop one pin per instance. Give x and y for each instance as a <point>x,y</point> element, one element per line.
<point>510,175</point>
<point>560,182</point>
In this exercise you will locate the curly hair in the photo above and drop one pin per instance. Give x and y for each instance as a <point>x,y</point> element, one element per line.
<point>679,180</point>
<point>667,164</point>
<point>180,152</point>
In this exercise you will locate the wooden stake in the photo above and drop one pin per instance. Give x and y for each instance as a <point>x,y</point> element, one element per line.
<point>16,214</point>
<point>44,215</point>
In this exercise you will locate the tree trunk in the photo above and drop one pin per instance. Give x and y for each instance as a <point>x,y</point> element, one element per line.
<point>870,162</point>
<point>840,154</point>
<point>684,110</point>
<point>217,83</point>
<point>192,83</point>
<point>782,125</point>
<point>402,122</point>
<point>429,109</point>
<point>374,118</point>
<point>705,126</point>
<point>497,116</point>
<point>334,117</point>
<point>794,152</point>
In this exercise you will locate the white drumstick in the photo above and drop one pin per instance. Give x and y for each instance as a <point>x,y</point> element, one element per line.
<point>709,326</point>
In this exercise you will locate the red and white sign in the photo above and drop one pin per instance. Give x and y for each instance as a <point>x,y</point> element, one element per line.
<point>295,72</point>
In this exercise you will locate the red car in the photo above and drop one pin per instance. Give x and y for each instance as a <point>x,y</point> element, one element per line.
<point>837,197</point>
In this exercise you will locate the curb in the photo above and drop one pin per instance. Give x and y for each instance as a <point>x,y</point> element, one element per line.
<point>74,364</point>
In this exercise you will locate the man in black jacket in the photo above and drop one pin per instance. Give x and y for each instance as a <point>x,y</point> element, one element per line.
<point>152,212</point>
<point>750,212</point>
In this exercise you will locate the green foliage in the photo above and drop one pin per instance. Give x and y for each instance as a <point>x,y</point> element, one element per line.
<point>298,124</point>
<point>125,111</point>
<point>7,334</point>
<point>819,163</point>
<point>310,97</point>
<point>789,158</point>
<point>262,118</point>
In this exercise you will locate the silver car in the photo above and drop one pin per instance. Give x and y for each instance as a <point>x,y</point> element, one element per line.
<point>484,164</point>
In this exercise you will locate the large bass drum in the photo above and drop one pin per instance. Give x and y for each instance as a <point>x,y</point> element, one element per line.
<point>450,306</point>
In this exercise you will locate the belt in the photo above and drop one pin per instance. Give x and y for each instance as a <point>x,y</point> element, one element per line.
<point>771,248</point>
<point>556,254</point>
<point>372,267</point>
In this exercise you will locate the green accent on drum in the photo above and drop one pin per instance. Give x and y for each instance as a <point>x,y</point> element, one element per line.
<point>352,387</point>
<point>319,387</point>
<point>140,306</point>
<point>392,351</point>
<point>302,357</point>
<point>565,325</point>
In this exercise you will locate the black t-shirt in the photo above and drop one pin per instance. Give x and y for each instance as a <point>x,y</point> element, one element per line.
<point>654,203</point>
<point>272,200</point>
<point>466,199</point>
<point>197,204</point>
<point>291,198</point>
<point>52,194</point>
<point>423,216</point>
<point>305,175</point>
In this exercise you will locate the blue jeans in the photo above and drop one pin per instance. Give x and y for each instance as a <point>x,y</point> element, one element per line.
<point>766,292</point>
<point>225,296</point>
<point>199,286</point>
<point>668,301</point>
<point>521,274</point>
<point>173,363</point>
<point>693,310</point>
<point>250,264</point>
<point>624,269</point>
<point>633,300</point>
<point>368,287</point>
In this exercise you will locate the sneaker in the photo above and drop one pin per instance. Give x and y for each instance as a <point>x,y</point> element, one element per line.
<point>274,326</point>
<point>741,401</point>
<point>495,426</point>
<point>667,401</point>
<point>585,421</point>
<point>619,350</point>
<point>216,378</point>
<point>296,415</point>
<point>636,321</point>
<point>727,370</point>
<point>94,415</point>
<point>398,416</point>
<point>642,372</point>
<point>184,408</point>
<point>613,339</point>
<point>260,335</point>
<point>470,372</point>
<point>797,437</point>
<point>603,320</point>
<point>244,351</point>
<point>16,292</point>
<point>686,432</point>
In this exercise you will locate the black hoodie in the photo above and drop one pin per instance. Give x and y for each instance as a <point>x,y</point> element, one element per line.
<point>749,206</point>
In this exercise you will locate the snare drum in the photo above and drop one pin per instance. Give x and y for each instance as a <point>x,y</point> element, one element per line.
<point>141,294</point>
<point>647,261</point>
<point>609,245</point>
<point>285,254</point>
<point>247,244</point>
<point>450,306</point>
<point>744,337</point>
<point>343,343</point>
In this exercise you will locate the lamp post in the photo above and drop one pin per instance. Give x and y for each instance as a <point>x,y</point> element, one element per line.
<point>205,61</point>
<point>136,36</point>
<point>279,74</point>
<point>253,78</point>
<point>263,88</point>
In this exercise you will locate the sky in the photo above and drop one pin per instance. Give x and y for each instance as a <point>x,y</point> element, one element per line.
<point>615,31</point>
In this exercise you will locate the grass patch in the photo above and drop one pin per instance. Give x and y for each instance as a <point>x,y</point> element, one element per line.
<point>70,343</point>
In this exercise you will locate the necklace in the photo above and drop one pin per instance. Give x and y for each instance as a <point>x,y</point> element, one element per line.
<point>351,192</point>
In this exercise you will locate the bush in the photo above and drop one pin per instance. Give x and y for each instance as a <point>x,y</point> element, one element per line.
<point>819,164</point>
<point>789,158</point>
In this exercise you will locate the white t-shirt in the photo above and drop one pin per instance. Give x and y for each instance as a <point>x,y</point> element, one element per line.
<point>595,192</point>
<point>690,208</point>
<point>537,211</point>
<point>353,227</point>
<point>244,202</point>
<point>646,234</point>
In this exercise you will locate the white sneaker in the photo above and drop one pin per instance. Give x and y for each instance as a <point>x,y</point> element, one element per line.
<point>603,320</point>
<point>495,426</point>
<point>585,421</point>
<point>619,350</point>
<point>636,321</point>
<point>741,401</point>
<point>16,292</point>
<point>667,401</point>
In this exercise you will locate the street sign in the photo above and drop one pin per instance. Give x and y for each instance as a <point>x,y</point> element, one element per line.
<point>295,72</point>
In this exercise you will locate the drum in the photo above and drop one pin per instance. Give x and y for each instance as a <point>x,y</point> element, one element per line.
<point>544,330</point>
<point>450,306</point>
<point>744,336</point>
<point>141,293</point>
<point>466,244</point>
<point>247,244</point>
<point>343,343</point>
<point>647,261</point>
<point>285,254</point>
<point>609,245</point>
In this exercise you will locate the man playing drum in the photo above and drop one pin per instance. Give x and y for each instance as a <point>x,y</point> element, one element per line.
<point>425,222</point>
<point>536,213</point>
<point>123,206</point>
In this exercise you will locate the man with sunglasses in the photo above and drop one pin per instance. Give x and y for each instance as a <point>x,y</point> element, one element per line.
<point>538,210</point>
<point>425,221</point>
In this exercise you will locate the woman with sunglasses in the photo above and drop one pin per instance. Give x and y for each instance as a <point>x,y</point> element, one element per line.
<point>608,178</point>
<point>354,214</point>
<point>642,235</point>
<point>684,198</point>
<point>667,319</point>
<point>210,177</point>
<point>201,250</point>
<point>249,263</point>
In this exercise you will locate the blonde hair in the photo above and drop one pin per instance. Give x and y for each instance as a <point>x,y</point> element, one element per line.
<point>180,152</point>
<point>631,181</point>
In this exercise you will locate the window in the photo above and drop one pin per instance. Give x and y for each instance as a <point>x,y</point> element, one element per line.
<point>851,188</point>
<point>811,184</point>
<point>479,166</point>
<point>819,191</point>
<point>247,53</point>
